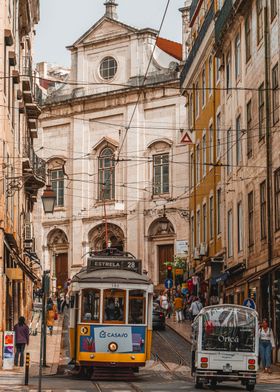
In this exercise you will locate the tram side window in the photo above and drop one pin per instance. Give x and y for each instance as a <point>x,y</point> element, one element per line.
<point>136,314</point>
<point>90,305</point>
<point>114,306</point>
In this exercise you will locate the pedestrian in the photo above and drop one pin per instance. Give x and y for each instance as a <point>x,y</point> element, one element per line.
<point>267,343</point>
<point>21,339</point>
<point>51,315</point>
<point>65,302</point>
<point>178,306</point>
<point>196,307</point>
<point>163,302</point>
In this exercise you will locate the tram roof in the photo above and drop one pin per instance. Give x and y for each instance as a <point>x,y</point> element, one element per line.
<point>110,276</point>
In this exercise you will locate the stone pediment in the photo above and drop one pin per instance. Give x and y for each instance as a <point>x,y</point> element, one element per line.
<point>105,27</point>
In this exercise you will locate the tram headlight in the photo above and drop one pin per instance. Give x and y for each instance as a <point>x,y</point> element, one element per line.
<point>113,346</point>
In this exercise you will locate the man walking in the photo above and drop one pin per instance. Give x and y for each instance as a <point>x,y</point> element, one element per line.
<point>21,339</point>
<point>196,307</point>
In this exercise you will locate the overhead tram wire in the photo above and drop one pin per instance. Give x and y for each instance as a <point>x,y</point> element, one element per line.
<point>143,83</point>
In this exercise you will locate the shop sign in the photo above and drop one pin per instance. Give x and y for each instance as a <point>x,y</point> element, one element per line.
<point>182,247</point>
<point>122,336</point>
<point>8,350</point>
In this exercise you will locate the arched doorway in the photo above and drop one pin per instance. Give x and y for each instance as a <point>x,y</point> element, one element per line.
<point>161,235</point>
<point>96,237</point>
<point>58,246</point>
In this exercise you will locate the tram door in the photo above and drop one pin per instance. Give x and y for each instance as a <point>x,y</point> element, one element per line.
<point>165,253</point>
<point>61,269</point>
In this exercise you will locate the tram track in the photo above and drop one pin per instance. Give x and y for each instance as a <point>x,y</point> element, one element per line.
<point>133,387</point>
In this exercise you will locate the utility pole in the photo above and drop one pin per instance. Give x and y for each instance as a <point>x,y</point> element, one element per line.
<point>268,157</point>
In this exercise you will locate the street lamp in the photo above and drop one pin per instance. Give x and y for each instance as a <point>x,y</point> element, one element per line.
<point>48,200</point>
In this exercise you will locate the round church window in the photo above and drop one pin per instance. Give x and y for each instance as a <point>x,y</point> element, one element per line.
<point>108,68</point>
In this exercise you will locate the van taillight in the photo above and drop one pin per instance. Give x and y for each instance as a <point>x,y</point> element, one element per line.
<point>251,361</point>
<point>204,359</point>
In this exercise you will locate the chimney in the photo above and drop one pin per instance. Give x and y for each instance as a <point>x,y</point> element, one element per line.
<point>111,9</point>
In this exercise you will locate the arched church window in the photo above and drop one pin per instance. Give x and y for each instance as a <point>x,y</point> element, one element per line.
<point>106,174</point>
<point>108,68</point>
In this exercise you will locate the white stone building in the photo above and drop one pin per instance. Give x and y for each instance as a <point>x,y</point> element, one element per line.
<point>112,140</point>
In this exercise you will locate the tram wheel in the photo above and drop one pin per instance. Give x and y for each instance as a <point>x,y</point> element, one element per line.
<point>250,387</point>
<point>213,384</point>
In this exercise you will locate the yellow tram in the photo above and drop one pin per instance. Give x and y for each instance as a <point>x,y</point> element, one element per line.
<point>111,304</point>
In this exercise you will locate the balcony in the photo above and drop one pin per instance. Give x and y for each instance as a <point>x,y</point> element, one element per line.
<point>202,32</point>
<point>34,171</point>
<point>27,79</point>
<point>226,17</point>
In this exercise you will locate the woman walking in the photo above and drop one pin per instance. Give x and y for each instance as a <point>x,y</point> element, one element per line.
<point>266,345</point>
<point>21,339</point>
<point>51,315</point>
<point>178,306</point>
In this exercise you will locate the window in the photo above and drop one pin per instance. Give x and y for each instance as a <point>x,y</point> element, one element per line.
<point>277,198</point>
<point>191,111</point>
<point>261,111</point>
<point>273,7</point>
<point>229,151</point>
<point>263,209</point>
<point>136,312</point>
<point>251,218</point>
<point>211,144</point>
<point>197,163</point>
<point>238,140</point>
<point>237,56</point>
<point>161,173</point>
<point>239,226</point>
<point>229,225</point>
<point>218,125</point>
<point>90,306</point>
<point>259,20</point>
<point>108,68</point>
<point>249,130</point>
<point>211,217</point>
<point>191,171</point>
<point>248,38</point>
<point>198,228</point>
<point>210,74</point>
<point>275,94</point>
<point>204,154</point>
<point>192,232</point>
<point>204,228</point>
<point>228,72</point>
<point>219,210</point>
<point>57,183</point>
<point>203,79</point>
<point>114,306</point>
<point>218,64</point>
<point>106,171</point>
<point>196,99</point>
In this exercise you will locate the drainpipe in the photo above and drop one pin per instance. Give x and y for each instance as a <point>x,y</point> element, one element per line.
<point>268,158</point>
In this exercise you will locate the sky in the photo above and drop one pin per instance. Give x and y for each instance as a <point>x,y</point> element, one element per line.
<point>64,21</point>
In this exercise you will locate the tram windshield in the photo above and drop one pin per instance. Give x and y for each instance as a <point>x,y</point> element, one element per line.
<point>114,306</point>
<point>228,329</point>
<point>90,305</point>
<point>136,314</point>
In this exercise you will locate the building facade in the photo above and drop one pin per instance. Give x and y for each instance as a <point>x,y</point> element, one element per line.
<point>22,171</point>
<point>112,141</point>
<point>200,82</point>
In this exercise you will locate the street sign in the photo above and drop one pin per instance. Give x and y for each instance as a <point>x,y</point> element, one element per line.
<point>250,303</point>
<point>186,139</point>
<point>168,283</point>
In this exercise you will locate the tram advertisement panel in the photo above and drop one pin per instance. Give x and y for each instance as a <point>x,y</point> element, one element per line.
<point>97,339</point>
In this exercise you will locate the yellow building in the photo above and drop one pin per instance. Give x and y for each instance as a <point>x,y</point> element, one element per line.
<point>200,82</point>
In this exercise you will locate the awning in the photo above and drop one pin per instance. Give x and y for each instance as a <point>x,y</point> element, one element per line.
<point>200,267</point>
<point>11,245</point>
<point>33,257</point>
<point>220,278</point>
<point>236,269</point>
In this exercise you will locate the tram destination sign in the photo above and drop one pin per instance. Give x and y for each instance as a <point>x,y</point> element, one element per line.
<point>128,264</point>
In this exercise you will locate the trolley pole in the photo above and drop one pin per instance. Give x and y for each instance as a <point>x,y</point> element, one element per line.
<point>27,364</point>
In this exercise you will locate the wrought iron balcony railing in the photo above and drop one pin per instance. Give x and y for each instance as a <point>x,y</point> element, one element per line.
<point>223,19</point>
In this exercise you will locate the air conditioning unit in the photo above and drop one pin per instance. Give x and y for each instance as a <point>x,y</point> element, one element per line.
<point>203,249</point>
<point>196,254</point>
